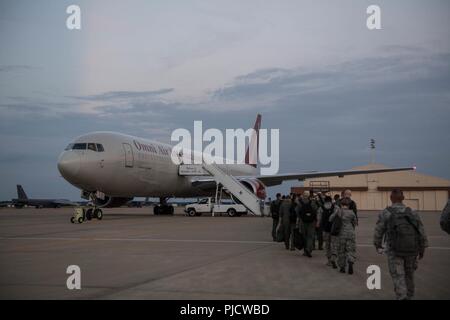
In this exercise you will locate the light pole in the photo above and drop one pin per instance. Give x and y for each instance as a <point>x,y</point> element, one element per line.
<point>372,147</point>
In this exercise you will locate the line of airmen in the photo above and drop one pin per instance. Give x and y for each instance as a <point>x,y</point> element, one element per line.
<point>333,221</point>
<point>313,214</point>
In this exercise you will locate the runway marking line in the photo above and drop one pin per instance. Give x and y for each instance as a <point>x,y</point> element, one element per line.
<point>169,240</point>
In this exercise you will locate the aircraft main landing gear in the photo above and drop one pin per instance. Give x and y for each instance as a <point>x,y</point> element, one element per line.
<point>94,213</point>
<point>163,207</point>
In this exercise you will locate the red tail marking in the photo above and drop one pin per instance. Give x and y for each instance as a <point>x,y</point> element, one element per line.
<point>247,153</point>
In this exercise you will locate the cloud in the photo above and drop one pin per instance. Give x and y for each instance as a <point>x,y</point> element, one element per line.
<point>38,108</point>
<point>23,108</point>
<point>136,107</point>
<point>13,68</point>
<point>272,88</point>
<point>125,95</point>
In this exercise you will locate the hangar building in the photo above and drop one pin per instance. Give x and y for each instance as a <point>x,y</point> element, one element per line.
<point>371,191</point>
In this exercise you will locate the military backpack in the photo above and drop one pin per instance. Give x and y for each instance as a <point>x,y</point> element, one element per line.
<point>404,234</point>
<point>307,213</point>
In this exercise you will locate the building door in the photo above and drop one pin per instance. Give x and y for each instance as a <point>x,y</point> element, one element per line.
<point>412,203</point>
<point>129,159</point>
<point>374,201</point>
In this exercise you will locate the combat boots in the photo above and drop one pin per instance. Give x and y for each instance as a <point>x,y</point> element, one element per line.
<point>350,268</point>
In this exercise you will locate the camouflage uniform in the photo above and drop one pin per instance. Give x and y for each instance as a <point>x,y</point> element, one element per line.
<point>401,268</point>
<point>275,212</point>
<point>308,229</point>
<point>346,242</point>
<point>327,237</point>
<point>285,223</point>
<point>334,244</point>
<point>445,218</point>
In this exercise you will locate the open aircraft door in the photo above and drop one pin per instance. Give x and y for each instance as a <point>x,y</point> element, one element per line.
<point>129,158</point>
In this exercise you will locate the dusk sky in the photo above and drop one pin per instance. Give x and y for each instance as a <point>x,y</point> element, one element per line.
<point>311,68</point>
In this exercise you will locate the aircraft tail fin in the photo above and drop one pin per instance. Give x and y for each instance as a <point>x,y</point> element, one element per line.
<point>251,155</point>
<point>21,193</point>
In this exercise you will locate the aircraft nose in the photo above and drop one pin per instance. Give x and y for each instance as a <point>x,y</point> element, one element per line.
<point>69,164</point>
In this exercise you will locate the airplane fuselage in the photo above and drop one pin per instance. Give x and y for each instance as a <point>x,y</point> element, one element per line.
<point>128,166</point>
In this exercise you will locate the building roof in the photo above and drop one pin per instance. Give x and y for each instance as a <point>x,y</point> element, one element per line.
<point>408,179</point>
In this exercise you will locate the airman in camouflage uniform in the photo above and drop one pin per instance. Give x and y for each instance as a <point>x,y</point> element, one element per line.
<point>346,254</point>
<point>307,219</point>
<point>401,268</point>
<point>285,222</point>
<point>323,220</point>
<point>445,218</point>
<point>275,212</point>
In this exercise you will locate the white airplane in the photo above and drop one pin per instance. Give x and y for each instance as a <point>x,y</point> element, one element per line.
<point>112,168</point>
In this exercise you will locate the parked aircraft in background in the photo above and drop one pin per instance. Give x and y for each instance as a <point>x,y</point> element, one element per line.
<point>22,200</point>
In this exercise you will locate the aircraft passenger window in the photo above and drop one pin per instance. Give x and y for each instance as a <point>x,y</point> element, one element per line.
<point>69,147</point>
<point>79,146</point>
<point>100,147</point>
<point>91,146</point>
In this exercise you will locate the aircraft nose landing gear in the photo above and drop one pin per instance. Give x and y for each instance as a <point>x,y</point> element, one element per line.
<point>163,207</point>
<point>82,214</point>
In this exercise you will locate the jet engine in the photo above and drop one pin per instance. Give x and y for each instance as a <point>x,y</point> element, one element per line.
<point>111,202</point>
<point>256,186</point>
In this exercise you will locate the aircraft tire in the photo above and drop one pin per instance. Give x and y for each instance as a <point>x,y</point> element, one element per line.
<point>72,220</point>
<point>80,220</point>
<point>89,214</point>
<point>98,213</point>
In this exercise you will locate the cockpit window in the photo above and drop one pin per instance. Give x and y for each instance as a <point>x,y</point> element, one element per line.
<point>79,146</point>
<point>91,146</point>
<point>82,146</point>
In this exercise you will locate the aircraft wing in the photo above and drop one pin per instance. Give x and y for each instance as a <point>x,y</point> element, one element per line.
<point>210,184</point>
<point>279,178</point>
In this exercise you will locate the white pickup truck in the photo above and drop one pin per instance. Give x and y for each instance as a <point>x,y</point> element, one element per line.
<point>207,205</point>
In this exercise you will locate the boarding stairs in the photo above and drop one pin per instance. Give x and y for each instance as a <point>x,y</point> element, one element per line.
<point>227,181</point>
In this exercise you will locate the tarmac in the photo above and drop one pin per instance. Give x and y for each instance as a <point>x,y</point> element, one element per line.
<point>132,254</point>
